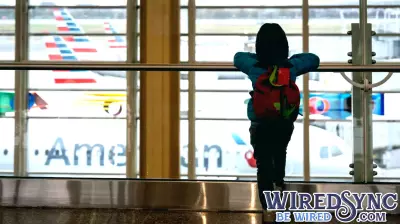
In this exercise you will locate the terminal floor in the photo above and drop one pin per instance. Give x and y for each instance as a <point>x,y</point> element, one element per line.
<point>121,216</point>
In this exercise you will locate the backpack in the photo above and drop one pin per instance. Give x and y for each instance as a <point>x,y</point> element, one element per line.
<point>275,96</point>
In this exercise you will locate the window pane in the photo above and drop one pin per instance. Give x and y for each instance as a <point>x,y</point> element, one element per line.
<point>330,153</point>
<point>338,21</point>
<point>220,105</point>
<point>7,96</point>
<point>223,48</point>
<point>386,148</point>
<point>223,148</point>
<point>184,49</point>
<point>354,2</point>
<point>322,21</point>
<point>387,48</point>
<point>247,3</point>
<point>388,106</point>
<point>337,106</point>
<point>329,52</point>
<point>385,143</point>
<point>335,82</point>
<point>246,21</point>
<point>78,3</point>
<point>223,81</point>
<point>80,21</point>
<point>7,47</point>
<point>7,29</point>
<point>206,81</point>
<point>7,145</point>
<point>230,105</point>
<point>76,146</point>
<point>7,80</point>
<point>78,48</point>
<point>91,104</point>
<point>86,80</point>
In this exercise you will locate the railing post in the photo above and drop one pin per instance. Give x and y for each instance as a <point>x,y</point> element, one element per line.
<point>306,91</point>
<point>357,113</point>
<point>366,49</point>
<point>192,91</point>
<point>21,89</point>
<point>131,89</point>
<point>361,99</point>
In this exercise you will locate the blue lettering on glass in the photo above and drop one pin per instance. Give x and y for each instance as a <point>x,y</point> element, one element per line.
<point>114,151</point>
<point>206,156</point>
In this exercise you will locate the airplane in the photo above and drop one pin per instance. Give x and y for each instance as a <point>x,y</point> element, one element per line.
<point>76,146</point>
<point>66,24</point>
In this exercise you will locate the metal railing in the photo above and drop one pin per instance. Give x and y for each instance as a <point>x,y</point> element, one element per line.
<point>123,66</point>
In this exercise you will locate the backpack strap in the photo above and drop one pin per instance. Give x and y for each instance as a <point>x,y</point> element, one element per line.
<point>272,77</point>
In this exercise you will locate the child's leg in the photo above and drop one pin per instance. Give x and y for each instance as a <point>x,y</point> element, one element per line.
<point>286,130</point>
<point>264,158</point>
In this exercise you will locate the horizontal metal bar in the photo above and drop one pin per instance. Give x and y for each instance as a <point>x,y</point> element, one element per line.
<point>289,177</point>
<point>74,174</point>
<point>213,7</point>
<point>202,34</point>
<point>199,34</point>
<point>75,90</point>
<point>311,91</point>
<point>300,120</point>
<point>77,34</point>
<point>171,67</point>
<point>77,6</point>
<point>299,6</point>
<point>185,90</point>
<point>202,63</point>
<point>290,34</point>
<point>76,118</point>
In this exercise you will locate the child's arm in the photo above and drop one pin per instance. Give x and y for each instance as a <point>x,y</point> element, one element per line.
<point>304,63</point>
<point>245,61</point>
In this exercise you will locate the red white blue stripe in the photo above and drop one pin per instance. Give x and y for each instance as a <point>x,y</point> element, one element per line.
<point>114,41</point>
<point>58,50</point>
<point>79,44</point>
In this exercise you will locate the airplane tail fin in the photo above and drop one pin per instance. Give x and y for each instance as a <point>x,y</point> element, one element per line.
<point>40,102</point>
<point>58,50</point>
<point>113,41</point>
<point>81,45</point>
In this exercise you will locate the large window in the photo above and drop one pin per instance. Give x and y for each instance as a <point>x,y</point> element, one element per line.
<point>82,128</point>
<point>225,27</point>
<point>77,121</point>
<point>7,50</point>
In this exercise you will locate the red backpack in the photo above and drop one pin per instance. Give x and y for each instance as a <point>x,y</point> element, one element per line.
<point>275,95</point>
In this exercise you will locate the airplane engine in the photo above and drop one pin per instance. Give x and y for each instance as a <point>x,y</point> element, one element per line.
<point>112,107</point>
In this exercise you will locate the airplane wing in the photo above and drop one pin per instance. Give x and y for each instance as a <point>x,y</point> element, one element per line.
<point>83,48</point>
